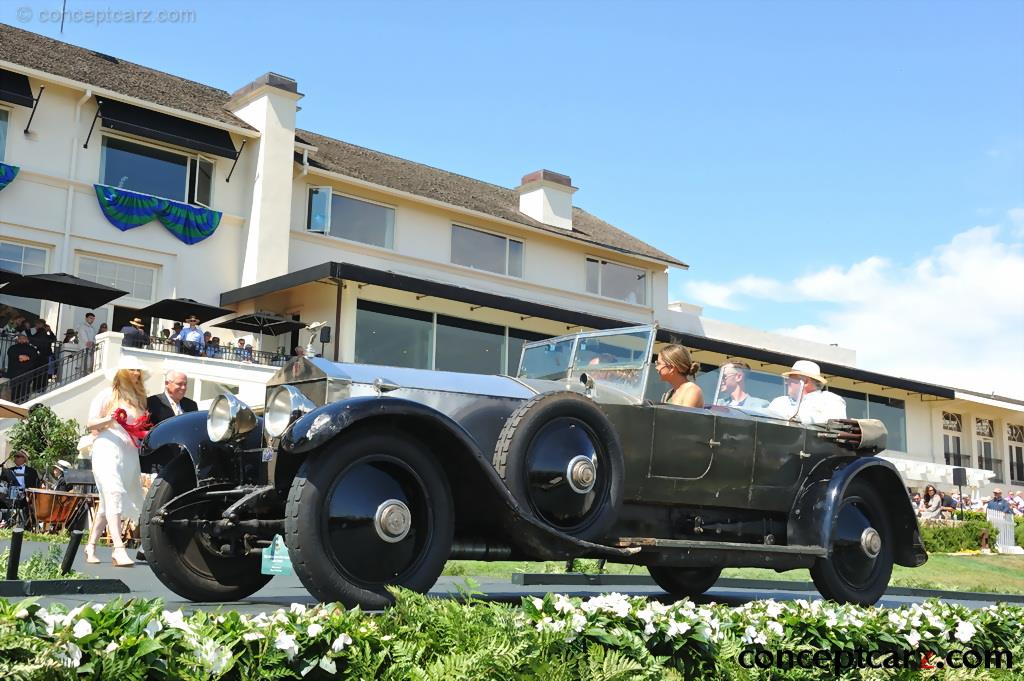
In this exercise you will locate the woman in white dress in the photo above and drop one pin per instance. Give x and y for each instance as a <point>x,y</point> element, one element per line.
<point>115,457</point>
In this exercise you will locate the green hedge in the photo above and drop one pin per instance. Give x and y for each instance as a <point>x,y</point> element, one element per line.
<point>554,638</point>
<point>965,536</point>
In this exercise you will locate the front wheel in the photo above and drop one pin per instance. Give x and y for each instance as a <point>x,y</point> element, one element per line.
<point>185,559</point>
<point>681,582</point>
<point>372,510</point>
<point>860,563</point>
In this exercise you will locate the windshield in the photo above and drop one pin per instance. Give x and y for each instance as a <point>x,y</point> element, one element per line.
<point>613,359</point>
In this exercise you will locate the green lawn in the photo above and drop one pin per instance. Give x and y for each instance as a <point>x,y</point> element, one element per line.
<point>992,573</point>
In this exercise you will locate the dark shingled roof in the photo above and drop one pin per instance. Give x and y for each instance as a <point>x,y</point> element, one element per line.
<point>423,180</point>
<point>100,70</point>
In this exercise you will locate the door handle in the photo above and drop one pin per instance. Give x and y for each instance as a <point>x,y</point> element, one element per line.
<point>712,443</point>
<point>804,455</point>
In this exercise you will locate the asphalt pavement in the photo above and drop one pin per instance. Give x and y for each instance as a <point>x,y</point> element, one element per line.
<point>284,590</point>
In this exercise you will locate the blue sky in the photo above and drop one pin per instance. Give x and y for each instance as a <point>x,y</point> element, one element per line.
<point>767,144</point>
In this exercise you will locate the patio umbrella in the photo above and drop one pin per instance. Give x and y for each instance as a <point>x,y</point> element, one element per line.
<point>8,275</point>
<point>262,323</point>
<point>10,410</point>
<point>62,288</point>
<point>180,308</point>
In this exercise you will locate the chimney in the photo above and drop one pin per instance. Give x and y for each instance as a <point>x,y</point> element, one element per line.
<point>546,196</point>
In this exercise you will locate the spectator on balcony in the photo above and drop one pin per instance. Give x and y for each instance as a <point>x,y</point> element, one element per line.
<point>43,339</point>
<point>172,401</point>
<point>87,332</point>
<point>931,504</point>
<point>12,326</point>
<point>103,328</point>
<point>998,503</point>
<point>22,358</point>
<point>135,335</point>
<point>247,354</point>
<point>70,336</point>
<point>191,338</point>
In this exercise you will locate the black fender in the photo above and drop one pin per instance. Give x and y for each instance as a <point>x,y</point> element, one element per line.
<point>812,519</point>
<point>186,435</point>
<point>457,452</point>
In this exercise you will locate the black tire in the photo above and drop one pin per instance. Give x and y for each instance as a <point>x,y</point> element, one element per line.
<point>534,451</point>
<point>681,582</point>
<point>333,537</point>
<point>181,559</point>
<point>849,574</point>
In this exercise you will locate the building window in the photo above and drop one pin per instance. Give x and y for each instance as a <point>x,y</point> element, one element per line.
<point>3,132</point>
<point>157,171</point>
<point>952,428</point>
<point>485,251</point>
<point>612,280</point>
<point>23,260</point>
<point>1015,441</point>
<point>350,218</point>
<point>468,346</point>
<point>394,336</point>
<point>138,281</point>
<point>984,429</point>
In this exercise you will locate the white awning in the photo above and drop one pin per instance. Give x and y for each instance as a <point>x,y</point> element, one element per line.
<point>917,471</point>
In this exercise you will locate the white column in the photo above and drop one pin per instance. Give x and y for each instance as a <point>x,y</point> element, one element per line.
<point>347,332</point>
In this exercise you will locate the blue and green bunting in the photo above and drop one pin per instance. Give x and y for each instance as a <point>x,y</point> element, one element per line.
<point>127,210</point>
<point>7,174</point>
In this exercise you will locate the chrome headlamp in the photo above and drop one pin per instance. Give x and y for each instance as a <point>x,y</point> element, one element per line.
<point>285,404</point>
<point>229,418</point>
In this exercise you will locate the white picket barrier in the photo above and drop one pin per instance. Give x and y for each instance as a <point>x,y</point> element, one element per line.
<point>1006,542</point>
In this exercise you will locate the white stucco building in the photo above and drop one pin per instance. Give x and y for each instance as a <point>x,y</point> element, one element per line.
<point>407,264</point>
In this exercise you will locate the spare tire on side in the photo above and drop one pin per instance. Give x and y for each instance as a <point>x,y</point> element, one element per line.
<point>561,458</point>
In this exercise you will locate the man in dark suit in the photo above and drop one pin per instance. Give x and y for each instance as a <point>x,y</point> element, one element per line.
<point>21,475</point>
<point>172,400</point>
<point>22,358</point>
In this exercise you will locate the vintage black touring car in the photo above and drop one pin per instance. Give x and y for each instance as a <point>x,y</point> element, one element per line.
<point>377,475</point>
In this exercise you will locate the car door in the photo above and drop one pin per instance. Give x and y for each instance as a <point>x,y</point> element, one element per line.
<point>700,457</point>
<point>779,460</point>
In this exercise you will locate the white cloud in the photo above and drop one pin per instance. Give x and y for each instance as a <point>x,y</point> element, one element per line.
<point>955,317</point>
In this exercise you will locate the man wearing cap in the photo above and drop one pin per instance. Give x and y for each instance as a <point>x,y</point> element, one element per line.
<point>21,475</point>
<point>998,503</point>
<point>191,337</point>
<point>805,401</point>
<point>732,389</point>
<point>134,336</point>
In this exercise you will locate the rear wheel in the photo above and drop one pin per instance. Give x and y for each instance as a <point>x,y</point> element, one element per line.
<point>372,510</point>
<point>860,563</point>
<point>185,559</point>
<point>683,581</point>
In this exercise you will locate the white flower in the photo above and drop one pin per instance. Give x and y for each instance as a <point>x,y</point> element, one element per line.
<point>21,614</point>
<point>965,631</point>
<point>913,638</point>
<point>773,609</point>
<point>153,627</point>
<point>70,617</point>
<point>563,604</point>
<point>830,620</point>
<point>314,629</point>
<point>82,629</point>
<point>219,619</point>
<point>775,628</point>
<point>252,636</point>
<point>297,608</point>
<point>286,642</point>
<point>676,628</point>
<point>111,647</point>
<point>50,620</point>
<point>538,603</point>
<point>176,620</point>
<point>340,643</point>
<point>70,655</point>
<point>214,657</point>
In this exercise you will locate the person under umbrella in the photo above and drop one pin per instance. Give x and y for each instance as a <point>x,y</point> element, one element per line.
<point>22,357</point>
<point>134,334</point>
<point>191,337</point>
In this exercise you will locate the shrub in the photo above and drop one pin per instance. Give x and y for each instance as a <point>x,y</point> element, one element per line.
<point>953,537</point>
<point>42,565</point>
<point>45,437</point>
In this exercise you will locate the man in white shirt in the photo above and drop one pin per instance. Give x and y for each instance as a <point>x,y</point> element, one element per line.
<point>87,332</point>
<point>805,401</point>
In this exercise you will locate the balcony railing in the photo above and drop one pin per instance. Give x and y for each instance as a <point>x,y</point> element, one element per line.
<point>64,366</point>
<point>230,353</point>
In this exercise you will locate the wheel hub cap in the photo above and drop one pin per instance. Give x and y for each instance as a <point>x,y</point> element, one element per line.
<point>871,542</point>
<point>581,474</point>
<point>392,521</point>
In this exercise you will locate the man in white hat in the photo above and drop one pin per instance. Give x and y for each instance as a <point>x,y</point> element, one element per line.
<point>805,401</point>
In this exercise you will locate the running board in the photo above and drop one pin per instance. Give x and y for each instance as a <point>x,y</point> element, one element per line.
<point>652,542</point>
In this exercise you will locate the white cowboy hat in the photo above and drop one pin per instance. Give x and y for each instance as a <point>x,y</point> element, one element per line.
<point>805,367</point>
